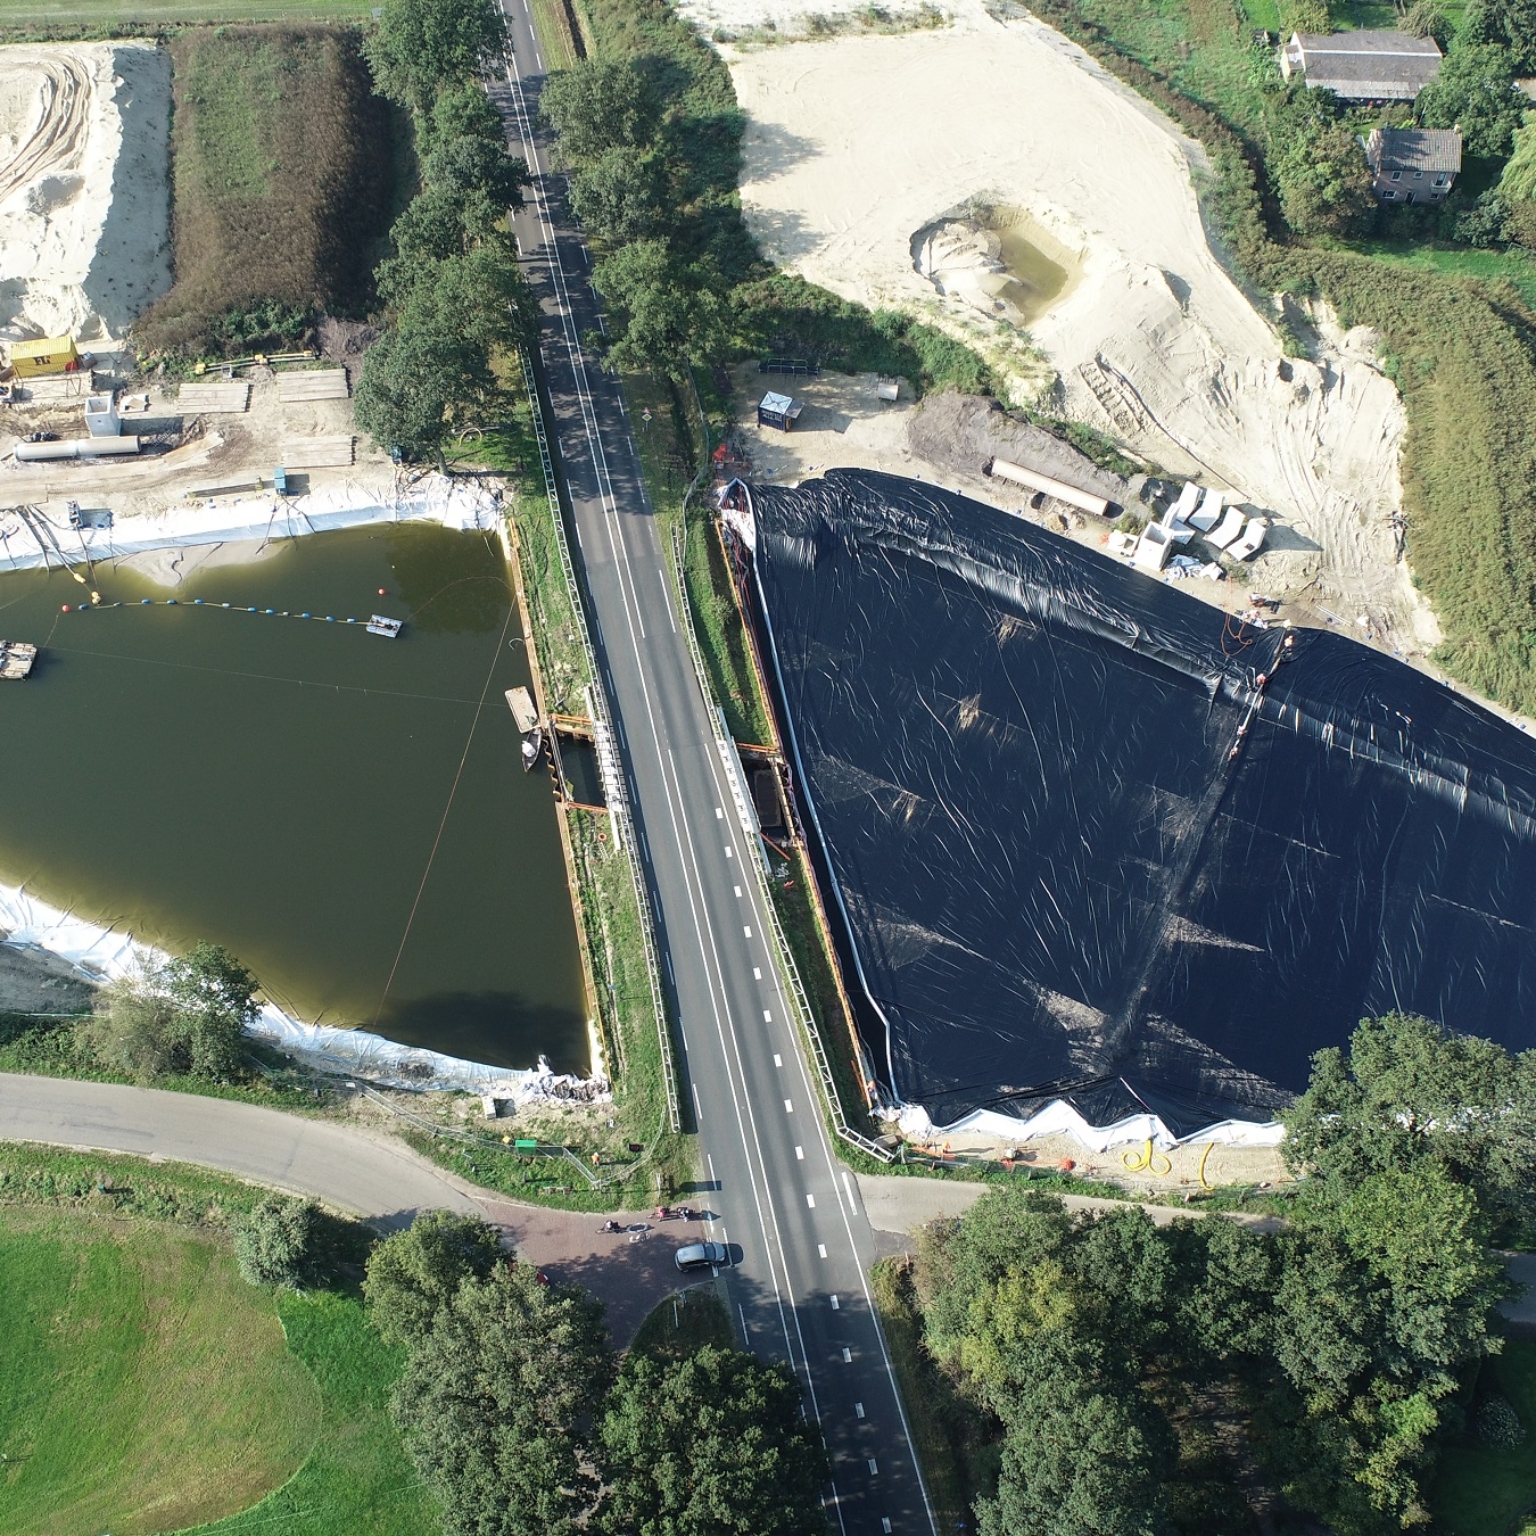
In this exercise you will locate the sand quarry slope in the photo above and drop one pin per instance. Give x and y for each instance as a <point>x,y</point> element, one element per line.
<point>84,187</point>
<point>858,143</point>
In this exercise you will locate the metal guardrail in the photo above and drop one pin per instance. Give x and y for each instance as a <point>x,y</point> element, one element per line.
<point>618,802</point>
<point>788,970</point>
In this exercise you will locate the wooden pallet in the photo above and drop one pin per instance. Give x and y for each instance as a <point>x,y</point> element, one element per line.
<point>317,452</point>
<point>225,396</point>
<point>312,384</point>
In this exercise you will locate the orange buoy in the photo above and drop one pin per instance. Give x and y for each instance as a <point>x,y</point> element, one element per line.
<point>66,608</point>
<point>382,592</point>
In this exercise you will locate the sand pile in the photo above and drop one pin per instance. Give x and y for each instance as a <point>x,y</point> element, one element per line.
<point>84,187</point>
<point>857,147</point>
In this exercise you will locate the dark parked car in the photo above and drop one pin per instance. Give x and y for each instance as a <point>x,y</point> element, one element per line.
<point>702,1256</point>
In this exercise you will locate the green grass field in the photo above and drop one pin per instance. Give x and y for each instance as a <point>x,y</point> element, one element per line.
<point>106,18</point>
<point>1512,265</point>
<point>1481,1492</point>
<point>358,1477</point>
<point>143,1385</point>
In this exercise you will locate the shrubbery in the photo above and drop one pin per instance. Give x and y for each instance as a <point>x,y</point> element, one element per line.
<point>275,1241</point>
<point>186,1017</point>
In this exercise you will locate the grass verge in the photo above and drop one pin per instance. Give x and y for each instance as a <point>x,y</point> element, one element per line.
<point>283,172</point>
<point>357,1476</point>
<point>54,1045</point>
<point>950,1438</point>
<point>1480,1491</point>
<point>684,1323</point>
<point>610,915</point>
<point>146,1386</point>
<point>554,22</point>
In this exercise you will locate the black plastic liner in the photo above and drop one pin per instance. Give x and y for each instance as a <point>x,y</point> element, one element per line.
<point>1093,839</point>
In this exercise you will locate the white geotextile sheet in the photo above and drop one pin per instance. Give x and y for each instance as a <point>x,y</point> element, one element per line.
<point>435,499</point>
<point>104,954</point>
<point>1058,1118</point>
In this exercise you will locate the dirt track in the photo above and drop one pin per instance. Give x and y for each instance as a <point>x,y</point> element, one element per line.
<point>57,141</point>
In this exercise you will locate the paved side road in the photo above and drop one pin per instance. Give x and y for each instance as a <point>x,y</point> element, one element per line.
<point>369,1174</point>
<point>348,1169</point>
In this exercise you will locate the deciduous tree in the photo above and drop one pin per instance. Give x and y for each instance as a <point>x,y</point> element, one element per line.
<point>712,1443</point>
<point>1406,1092</point>
<point>596,107</point>
<point>493,1401</point>
<point>421,47</point>
<point>414,1275</point>
<point>1475,91</point>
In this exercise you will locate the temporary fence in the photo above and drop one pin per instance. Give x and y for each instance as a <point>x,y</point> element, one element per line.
<point>799,1001</point>
<point>613,785</point>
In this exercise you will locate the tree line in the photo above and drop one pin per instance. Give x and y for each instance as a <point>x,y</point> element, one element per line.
<point>649,133</point>
<point>1143,1380</point>
<point>454,300</point>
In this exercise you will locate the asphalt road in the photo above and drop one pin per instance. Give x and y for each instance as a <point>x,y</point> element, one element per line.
<point>799,1290</point>
<point>375,1177</point>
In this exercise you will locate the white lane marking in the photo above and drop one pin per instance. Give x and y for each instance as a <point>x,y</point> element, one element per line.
<point>737,889</point>
<point>835,1306</point>
<point>885,1354</point>
<point>666,597</point>
<point>821,1250</point>
<point>596,451</point>
<point>743,1316</point>
<point>762,1188</point>
<point>757,974</point>
<point>847,1355</point>
<point>697,1112</point>
<point>778,1060</point>
<point>848,1184</point>
<point>858,1410</point>
<point>799,1154</point>
<point>810,1200</point>
<point>767,1016</point>
<point>746,930</point>
<point>789,1106</point>
<point>730,852</point>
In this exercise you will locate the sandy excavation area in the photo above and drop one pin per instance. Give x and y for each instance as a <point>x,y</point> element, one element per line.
<point>84,187</point>
<point>867,157</point>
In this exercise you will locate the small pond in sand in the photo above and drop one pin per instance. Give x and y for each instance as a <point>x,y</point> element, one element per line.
<point>279,785</point>
<point>997,259</point>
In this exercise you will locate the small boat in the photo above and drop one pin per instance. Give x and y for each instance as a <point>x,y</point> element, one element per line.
<point>16,658</point>
<point>533,745</point>
<point>379,624</point>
